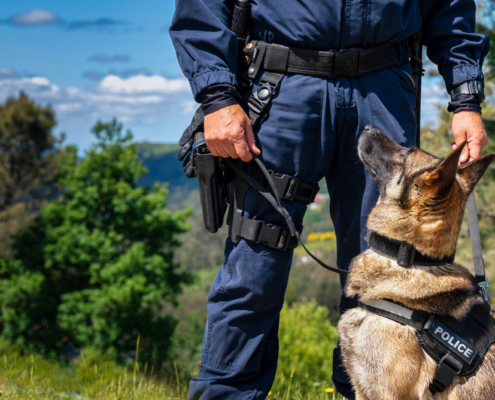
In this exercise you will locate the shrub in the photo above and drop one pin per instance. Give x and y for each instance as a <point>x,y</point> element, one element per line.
<point>307,340</point>
<point>96,266</point>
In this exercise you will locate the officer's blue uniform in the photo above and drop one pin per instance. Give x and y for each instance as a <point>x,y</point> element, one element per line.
<point>311,133</point>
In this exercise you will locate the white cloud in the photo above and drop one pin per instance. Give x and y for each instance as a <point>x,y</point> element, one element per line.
<point>34,17</point>
<point>152,101</point>
<point>143,84</point>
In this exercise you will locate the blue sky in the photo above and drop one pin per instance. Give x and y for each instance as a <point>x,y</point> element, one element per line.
<point>98,59</point>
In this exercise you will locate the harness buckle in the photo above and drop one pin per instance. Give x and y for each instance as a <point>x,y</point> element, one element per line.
<point>447,369</point>
<point>346,62</point>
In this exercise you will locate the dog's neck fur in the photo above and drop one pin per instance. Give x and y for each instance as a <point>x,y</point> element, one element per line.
<point>432,227</point>
<point>442,290</point>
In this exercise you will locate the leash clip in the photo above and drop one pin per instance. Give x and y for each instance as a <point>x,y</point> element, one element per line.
<point>483,287</point>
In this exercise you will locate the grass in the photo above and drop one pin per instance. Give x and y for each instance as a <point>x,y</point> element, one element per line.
<point>30,377</point>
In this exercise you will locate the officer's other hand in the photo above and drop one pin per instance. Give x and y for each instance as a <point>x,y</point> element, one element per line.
<point>468,126</point>
<point>228,133</point>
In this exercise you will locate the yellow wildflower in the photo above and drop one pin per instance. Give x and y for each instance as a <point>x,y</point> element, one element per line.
<point>329,390</point>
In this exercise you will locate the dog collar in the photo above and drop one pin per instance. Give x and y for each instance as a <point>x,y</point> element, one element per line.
<point>404,253</point>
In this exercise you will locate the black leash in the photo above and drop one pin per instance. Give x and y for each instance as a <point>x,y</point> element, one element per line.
<point>274,199</point>
<point>474,233</point>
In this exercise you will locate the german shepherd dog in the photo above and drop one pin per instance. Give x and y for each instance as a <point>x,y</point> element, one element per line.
<point>422,201</point>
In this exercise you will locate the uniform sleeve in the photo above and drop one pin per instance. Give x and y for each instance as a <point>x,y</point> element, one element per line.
<point>206,47</point>
<point>451,42</point>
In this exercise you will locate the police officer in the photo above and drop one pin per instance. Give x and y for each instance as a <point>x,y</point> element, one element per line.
<point>313,125</point>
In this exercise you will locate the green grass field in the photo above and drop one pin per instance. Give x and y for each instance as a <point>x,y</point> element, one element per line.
<point>30,377</point>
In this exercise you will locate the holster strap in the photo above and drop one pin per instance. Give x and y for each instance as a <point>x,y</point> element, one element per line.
<point>292,189</point>
<point>261,98</point>
<point>273,236</point>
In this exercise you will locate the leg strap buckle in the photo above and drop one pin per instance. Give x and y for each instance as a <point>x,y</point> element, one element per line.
<point>273,236</point>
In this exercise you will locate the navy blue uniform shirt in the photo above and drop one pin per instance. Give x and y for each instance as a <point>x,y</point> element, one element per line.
<point>207,48</point>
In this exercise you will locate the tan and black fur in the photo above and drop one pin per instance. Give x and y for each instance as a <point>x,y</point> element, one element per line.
<point>422,201</point>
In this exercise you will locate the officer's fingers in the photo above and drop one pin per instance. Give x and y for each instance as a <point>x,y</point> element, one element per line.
<point>460,136</point>
<point>249,136</point>
<point>476,141</point>
<point>213,149</point>
<point>230,150</point>
<point>221,150</point>
<point>242,150</point>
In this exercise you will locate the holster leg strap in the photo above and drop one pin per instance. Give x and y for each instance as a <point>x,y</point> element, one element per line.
<point>273,236</point>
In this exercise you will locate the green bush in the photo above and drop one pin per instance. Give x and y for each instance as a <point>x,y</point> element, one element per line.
<point>307,340</point>
<point>96,267</point>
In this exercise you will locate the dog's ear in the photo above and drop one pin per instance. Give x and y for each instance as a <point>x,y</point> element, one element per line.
<point>471,173</point>
<point>445,174</point>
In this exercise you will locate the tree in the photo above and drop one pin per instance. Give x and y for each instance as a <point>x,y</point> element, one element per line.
<point>28,150</point>
<point>29,154</point>
<point>97,265</point>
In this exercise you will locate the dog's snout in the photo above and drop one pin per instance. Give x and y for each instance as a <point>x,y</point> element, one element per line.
<point>369,130</point>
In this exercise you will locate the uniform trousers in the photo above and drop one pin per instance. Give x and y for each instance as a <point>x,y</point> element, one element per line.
<point>311,133</point>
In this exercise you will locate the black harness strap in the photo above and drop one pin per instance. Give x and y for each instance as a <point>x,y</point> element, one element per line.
<point>458,346</point>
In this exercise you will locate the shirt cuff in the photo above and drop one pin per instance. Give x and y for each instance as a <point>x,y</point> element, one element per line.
<point>462,73</point>
<point>218,96</point>
<point>465,102</point>
<point>206,79</point>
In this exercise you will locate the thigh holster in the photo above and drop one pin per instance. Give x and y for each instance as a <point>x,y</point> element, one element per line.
<point>255,230</point>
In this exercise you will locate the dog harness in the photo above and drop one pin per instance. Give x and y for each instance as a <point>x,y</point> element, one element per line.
<point>457,346</point>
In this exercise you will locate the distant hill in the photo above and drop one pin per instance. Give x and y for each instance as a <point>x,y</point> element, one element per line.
<point>163,166</point>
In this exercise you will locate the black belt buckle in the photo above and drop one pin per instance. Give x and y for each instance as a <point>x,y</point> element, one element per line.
<point>286,185</point>
<point>274,236</point>
<point>346,62</point>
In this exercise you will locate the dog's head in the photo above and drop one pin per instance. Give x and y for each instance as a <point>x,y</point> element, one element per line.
<point>422,197</point>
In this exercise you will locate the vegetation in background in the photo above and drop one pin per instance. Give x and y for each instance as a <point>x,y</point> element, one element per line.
<point>29,155</point>
<point>96,266</point>
<point>307,340</point>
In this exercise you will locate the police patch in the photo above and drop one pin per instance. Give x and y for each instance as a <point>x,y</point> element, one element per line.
<point>451,341</point>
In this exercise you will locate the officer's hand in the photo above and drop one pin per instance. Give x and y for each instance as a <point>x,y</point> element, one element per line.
<point>468,126</point>
<point>228,133</point>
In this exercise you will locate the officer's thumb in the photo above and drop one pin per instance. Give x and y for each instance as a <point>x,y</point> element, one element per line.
<point>251,141</point>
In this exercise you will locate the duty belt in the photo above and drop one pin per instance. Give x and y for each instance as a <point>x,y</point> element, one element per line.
<point>278,60</point>
<point>329,64</point>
